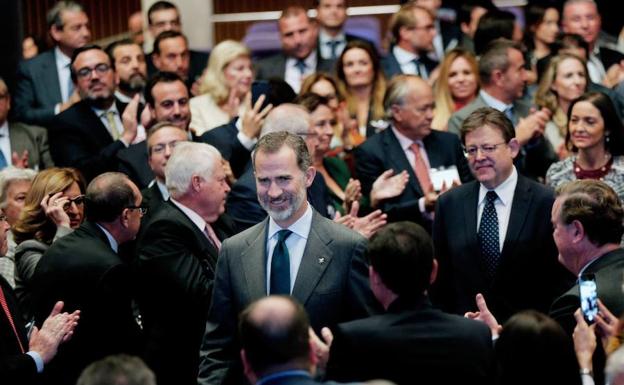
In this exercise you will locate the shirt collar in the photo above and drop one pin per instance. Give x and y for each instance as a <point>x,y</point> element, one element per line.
<point>113,108</point>
<point>285,373</point>
<point>403,56</point>
<point>404,141</point>
<point>163,189</point>
<point>324,37</point>
<point>62,60</point>
<point>4,129</point>
<point>301,227</point>
<point>192,215</point>
<point>505,190</point>
<point>112,241</point>
<point>493,102</point>
<point>309,61</point>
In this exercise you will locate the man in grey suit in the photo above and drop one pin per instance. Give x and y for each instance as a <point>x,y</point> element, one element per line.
<point>295,251</point>
<point>299,57</point>
<point>503,79</point>
<point>44,85</point>
<point>21,145</point>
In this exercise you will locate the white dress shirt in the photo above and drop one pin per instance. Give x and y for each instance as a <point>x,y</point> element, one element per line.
<point>296,243</point>
<point>502,204</point>
<point>293,76</point>
<point>63,71</point>
<point>5,142</point>
<point>491,101</point>
<point>101,114</point>
<point>192,215</point>
<point>325,48</point>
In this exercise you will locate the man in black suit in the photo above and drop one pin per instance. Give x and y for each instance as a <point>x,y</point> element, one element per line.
<point>492,235</point>
<point>17,364</point>
<point>167,98</point>
<point>274,333</point>
<point>164,16</point>
<point>583,18</point>
<point>410,144</point>
<point>95,280</point>
<point>413,341</point>
<point>178,251</point>
<point>413,31</point>
<point>448,33</point>
<point>44,85</point>
<point>90,133</point>
<point>298,58</point>
<point>161,139</point>
<point>295,251</point>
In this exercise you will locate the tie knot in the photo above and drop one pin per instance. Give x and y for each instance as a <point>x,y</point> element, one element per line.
<point>415,147</point>
<point>491,196</point>
<point>282,235</point>
<point>301,66</point>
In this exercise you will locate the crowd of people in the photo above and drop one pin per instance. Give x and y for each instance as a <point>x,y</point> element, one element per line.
<point>323,213</point>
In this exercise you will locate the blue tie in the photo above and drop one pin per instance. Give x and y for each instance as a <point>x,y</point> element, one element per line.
<point>509,113</point>
<point>301,66</point>
<point>333,45</point>
<point>280,265</point>
<point>488,236</point>
<point>3,161</point>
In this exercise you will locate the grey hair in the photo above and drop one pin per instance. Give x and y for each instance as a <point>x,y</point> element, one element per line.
<point>496,57</point>
<point>10,175</point>
<point>187,160</point>
<point>397,91</point>
<point>287,117</point>
<point>54,16</point>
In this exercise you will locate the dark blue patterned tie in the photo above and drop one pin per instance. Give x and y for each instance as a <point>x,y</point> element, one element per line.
<point>488,235</point>
<point>301,66</point>
<point>280,265</point>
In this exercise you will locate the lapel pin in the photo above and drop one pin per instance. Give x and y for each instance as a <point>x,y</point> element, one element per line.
<point>321,260</point>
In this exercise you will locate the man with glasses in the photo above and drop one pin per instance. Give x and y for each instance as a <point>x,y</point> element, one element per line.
<point>413,30</point>
<point>410,145</point>
<point>493,236</point>
<point>86,270</point>
<point>88,135</point>
<point>178,250</point>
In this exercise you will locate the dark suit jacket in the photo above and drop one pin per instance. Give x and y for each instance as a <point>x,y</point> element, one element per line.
<point>197,64</point>
<point>224,138</point>
<point>133,161</point>
<point>528,276</point>
<point>348,38</point>
<point>412,343</point>
<point>243,206</point>
<point>37,90</point>
<point>383,151</point>
<point>391,66</point>
<point>534,158</point>
<point>35,140</point>
<point>78,138</point>
<point>82,270</point>
<point>609,57</point>
<point>15,367</point>
<point>176,262</point>
<point>331,284</point>
<point>275,66</point>
<point>152,198</point>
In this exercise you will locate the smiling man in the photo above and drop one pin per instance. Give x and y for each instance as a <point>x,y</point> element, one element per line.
<point>295,251</point>
<point>493,235</point>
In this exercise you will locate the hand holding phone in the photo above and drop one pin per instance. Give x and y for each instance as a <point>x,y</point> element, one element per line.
<point>588,292</point>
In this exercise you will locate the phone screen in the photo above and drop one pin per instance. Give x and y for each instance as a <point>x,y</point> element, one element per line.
<point>589,297</point>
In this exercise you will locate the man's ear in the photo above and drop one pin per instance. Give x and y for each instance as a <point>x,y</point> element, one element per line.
<point>196,182</point>
<point>124,217</point>
<point>434,272</point>
<point>579,230</point>
<point>309,176</point>
<point>55,33</point>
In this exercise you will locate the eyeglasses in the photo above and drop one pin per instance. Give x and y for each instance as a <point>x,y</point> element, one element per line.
<point>77,200</point>
<point>86,72</point>
<point>142,209</point>
<point>471,152</point>
<point>160,147</point>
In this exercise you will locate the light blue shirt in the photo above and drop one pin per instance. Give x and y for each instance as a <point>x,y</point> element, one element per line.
<point>5,142</point>
<point>493,102</point>
<point>112,241</point>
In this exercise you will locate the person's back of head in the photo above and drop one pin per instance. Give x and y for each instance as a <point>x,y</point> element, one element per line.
<point>493,25</point>
<point>117,370</point>
<point>274,337</point>
<point>532,340</point>
<point>107,195</point>
<point>495,57</point>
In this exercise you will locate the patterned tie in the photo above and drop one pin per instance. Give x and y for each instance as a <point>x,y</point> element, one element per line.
<point>212,237</point>
<point>3,160</point>
<point>488,235</point>
<point>421,169</point>
<point>280,265</point>
<point>112,125</point>
<point>5,307</point>
<point>509,113</point>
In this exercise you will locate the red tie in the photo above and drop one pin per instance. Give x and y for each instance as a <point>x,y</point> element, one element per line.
<point>421,169</point>
<point>212,237</point>
<point>5,307</point>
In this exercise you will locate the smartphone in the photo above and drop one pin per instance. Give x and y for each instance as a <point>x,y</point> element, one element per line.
<point>260,87</point>
<point>589,297</point>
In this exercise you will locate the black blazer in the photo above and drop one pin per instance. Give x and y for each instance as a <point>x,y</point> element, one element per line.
<point>82,270</point>
<point>383,151</point>
<point>176,262</point>
<point>78,138</point>
<point>412,342</point>
<point>275,66</point>
<point>15,367</point>
<point>391,66</point>
<point>224,138</point>
<point>133,161</point>
<point>529,275</point>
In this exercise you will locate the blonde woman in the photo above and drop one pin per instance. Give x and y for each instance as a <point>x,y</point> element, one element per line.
<point>227,81</point>
<point>457,85</point>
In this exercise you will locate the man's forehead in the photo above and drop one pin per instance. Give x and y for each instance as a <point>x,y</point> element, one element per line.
<point>90,56</point>
<point>173,44</point>
<point>161,15</point>
<point>126,50</point>
<point>169,90</point>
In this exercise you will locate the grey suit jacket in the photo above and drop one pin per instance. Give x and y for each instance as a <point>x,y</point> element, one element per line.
<point>534,158</point>
<point>275,67</point>
<point>38,89</point>
<point>331,284</point>
<point>35,140</point>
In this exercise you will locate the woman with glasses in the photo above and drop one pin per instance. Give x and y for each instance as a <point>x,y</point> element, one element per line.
<point>595,138</point>
<point>54,207</point>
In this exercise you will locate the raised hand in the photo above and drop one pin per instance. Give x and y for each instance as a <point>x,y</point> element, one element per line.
<point>53,208</point>
<point>387,186</point>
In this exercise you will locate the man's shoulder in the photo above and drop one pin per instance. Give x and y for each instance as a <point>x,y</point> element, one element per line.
<point>375,142</point>
<point>44,58</point>
<point>540,190</point>
<point>134,151</point>
<point>469,109</point>
<point>30,129</point>
<point>326,228</point>
<point>75,114</point>
<point>457,194</point>
<point>246,236</point>
<point>271,60</point>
